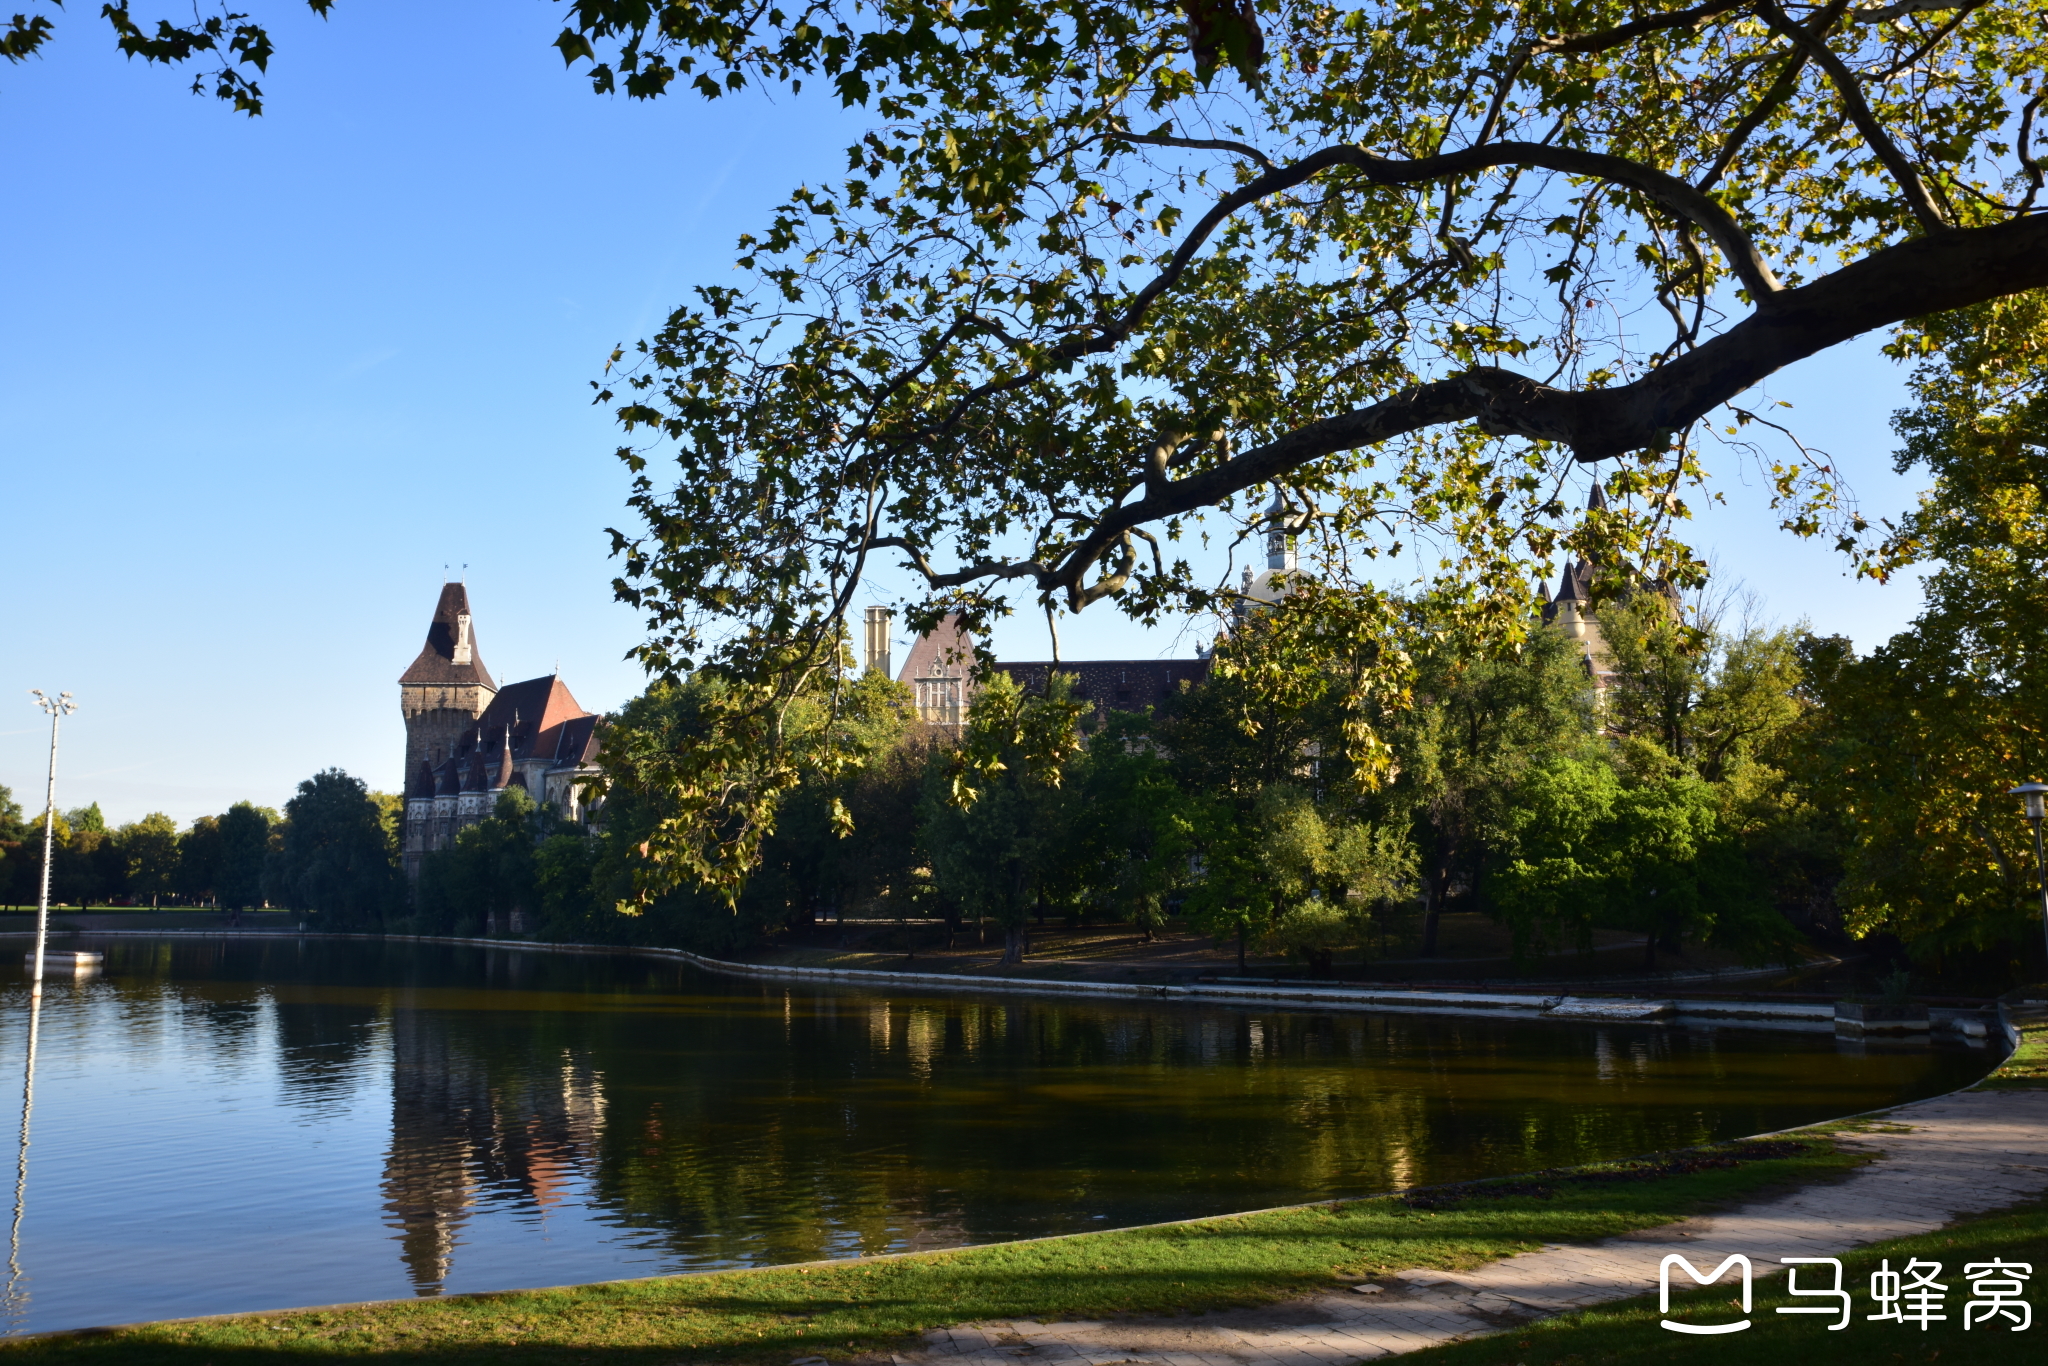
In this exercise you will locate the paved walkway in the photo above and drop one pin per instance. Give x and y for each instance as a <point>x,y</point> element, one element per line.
<point>1951,1156</point>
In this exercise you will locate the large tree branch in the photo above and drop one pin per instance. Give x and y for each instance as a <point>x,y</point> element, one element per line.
<point>1913,279</point>
<point>1668,191</point>
<point>1605,38</point>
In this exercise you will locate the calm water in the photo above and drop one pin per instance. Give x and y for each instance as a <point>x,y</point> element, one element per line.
<point>224,1125</point>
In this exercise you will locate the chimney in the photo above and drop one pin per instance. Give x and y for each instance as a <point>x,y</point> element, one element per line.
<point>877,624</point>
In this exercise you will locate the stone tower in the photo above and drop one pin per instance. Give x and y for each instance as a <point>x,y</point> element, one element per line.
<point>447,687</point>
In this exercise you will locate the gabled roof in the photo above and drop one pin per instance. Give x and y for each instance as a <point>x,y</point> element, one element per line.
<point>946,650</point>
<point>537,710</point>
<point>575,743</point>
<point>445,634</point>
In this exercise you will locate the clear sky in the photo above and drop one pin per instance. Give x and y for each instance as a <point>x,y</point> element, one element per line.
<point>263,379</point>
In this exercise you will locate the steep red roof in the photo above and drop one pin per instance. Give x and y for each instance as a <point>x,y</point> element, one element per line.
<point>450,654</point>
<point>536,710</point>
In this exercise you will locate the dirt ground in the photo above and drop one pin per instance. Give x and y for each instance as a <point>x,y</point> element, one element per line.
<point>1470,948</point>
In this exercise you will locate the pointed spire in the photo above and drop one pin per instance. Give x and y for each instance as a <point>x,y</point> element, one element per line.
<point>1279,540</point>
<point>505,754</point>
<point>422,784</point>
<point>450,654</point>
<point>1596,501</point>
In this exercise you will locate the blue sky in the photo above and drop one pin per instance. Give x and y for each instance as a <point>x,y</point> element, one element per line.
<point>264,378</point>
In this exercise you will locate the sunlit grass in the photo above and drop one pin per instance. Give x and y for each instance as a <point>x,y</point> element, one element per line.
<point>846,1310</point>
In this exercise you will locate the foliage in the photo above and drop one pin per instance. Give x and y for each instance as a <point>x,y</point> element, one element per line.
<point>334,857</point>
<point>149,849</point>
<point>1327,879</point>
<point>238,49</point>
<point>1102,276</point>
<point>1922,738</point>
<point>1689,692</point>
<point>245,846</point>
<point>1484,716</point>
<point>1130,850</point>
<point>16,839</point>
<point>199,860</point>
<point>493,868</point>
<point>999,847</point>
<point>1655,857</point>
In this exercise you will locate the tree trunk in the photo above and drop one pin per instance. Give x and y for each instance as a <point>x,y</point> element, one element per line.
<point>1015,945</point>
<point>1434,886</point>
<point>1240,948</point>
<point>1319,963</point>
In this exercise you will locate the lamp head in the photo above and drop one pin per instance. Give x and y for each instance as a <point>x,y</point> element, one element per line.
<point>2034,798</point>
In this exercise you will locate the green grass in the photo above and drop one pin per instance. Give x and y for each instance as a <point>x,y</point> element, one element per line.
<point>854,1310</point>
<point>2026,1069</point>
<point>1632,1332</point>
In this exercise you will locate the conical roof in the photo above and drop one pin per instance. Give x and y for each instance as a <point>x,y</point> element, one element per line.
<point>422,784</point>
<point>504,756</point>
<point>450,654</point>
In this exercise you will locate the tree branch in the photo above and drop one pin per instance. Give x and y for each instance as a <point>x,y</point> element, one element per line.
<point>1615,37</point>
<point>1913,279</point>
<point>1851,90</point>
<point>1666,190</point>
<point>1199,144</point>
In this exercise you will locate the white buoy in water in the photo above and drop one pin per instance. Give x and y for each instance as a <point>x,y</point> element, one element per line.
<point>66,958</point>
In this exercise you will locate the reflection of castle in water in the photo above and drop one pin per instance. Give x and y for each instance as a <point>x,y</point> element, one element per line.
<point>464,1132</point>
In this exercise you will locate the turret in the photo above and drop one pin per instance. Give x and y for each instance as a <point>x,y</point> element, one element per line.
<point>1279,536</point>
<point>507,773</point>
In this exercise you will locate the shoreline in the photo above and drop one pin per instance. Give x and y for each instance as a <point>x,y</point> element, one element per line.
<point>1973,1026</point>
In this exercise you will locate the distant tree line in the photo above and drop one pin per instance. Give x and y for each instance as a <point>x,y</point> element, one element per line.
<point>333,851</point>
<point>1732,785</point>
<point>1664,812</point>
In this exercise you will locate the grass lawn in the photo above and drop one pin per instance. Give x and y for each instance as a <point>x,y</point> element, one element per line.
<point>1633,1332</point>
<point>861,1309</point>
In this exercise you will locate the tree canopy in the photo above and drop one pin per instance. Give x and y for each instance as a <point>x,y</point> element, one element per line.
<point>1105,275</point>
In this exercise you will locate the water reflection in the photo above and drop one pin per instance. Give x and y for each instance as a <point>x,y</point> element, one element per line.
<point>336,1121</point>
<point>462,1129</point>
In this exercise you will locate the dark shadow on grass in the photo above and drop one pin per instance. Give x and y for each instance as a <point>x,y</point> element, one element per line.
<point>859,1311</point>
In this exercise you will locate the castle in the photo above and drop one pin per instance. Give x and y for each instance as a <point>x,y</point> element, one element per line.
<point>467,739</point>
<point>941,663</point>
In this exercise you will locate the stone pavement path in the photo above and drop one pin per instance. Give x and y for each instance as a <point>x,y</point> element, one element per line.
<point>1952,1156</point>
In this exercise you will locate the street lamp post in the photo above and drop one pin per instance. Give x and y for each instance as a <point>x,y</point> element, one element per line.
<point>58,707</point>
<point>2034,798</point>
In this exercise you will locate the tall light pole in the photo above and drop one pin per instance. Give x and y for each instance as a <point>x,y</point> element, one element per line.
<point>58,707</point>
<point>2034,800</point>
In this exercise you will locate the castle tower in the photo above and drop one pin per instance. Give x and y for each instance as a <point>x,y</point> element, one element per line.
<point>447,687</point>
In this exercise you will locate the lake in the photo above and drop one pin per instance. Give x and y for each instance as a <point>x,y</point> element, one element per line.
<point>235,1124</point>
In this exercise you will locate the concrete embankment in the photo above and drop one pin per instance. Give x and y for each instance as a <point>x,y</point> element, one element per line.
<point>1991,1025</point>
